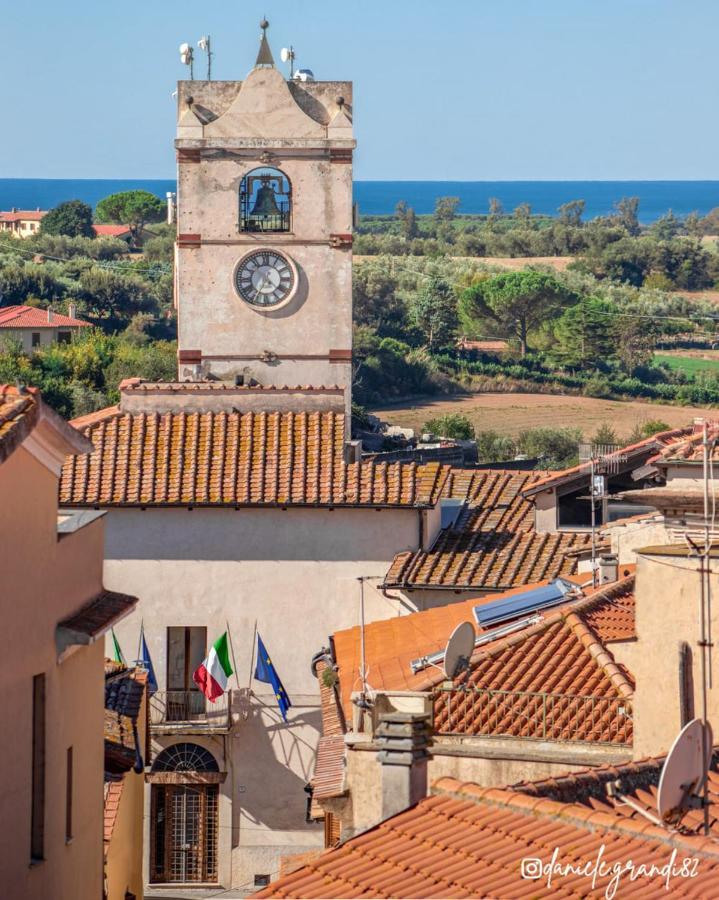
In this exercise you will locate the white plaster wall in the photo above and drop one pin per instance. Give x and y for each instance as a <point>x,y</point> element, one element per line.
<point>293,572</point>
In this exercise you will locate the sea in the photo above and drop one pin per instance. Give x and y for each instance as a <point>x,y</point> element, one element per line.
<point>381,197</point>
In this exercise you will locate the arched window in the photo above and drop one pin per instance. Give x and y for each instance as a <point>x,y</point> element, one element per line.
<point>265,201</point>
<point>185,758</point>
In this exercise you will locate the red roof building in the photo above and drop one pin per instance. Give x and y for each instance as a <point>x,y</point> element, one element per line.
<point>36,328</point>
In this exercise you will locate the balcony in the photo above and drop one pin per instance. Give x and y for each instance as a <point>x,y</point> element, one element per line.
<point>189,712</point>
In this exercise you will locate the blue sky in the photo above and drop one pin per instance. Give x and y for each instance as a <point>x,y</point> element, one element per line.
<point>469,90</point>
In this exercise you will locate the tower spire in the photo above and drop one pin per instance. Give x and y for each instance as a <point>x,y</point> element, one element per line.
<point>264,55</point>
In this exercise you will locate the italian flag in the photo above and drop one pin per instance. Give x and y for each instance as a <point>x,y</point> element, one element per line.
<point>212,675</point>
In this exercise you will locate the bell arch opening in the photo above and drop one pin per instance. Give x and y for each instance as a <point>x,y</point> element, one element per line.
<point>265,201</point>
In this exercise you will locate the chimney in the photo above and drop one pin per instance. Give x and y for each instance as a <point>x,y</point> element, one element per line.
<point>353,452</point>
<point>72,310</point>
<point>49,315</point>
<point>403,739</point>
<point>608,568</point>
<point>14,209</point>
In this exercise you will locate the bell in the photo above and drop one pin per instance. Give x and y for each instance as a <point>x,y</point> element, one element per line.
<point>265,204</point>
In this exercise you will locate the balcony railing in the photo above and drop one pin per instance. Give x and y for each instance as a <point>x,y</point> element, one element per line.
<point>540,716</point>
<point>189,711</point>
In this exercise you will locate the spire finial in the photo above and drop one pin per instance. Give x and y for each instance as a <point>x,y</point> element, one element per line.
<point>264,56</point>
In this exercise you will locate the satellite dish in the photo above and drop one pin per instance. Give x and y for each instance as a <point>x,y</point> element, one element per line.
<point>304,75</point>
<point>285,54</point>
<point>685,771</point>
<point>458,650</point>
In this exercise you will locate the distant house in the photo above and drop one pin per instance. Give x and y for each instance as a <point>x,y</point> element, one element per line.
<point>22,222</point>
<point>38,327</point>
<point>121,232</point>
<point>482,346</point>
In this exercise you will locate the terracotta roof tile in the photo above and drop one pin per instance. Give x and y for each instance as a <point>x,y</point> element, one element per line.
<point>329,776</point>
<point>98,615</point>
<point>646,447</point>
<point>613,619</point>
<point>113,796</point>
<point>235,459</point>
<point>19,410</point>
<point>18,215</point>
<point>556,674</point>
<point>124,692</point>
<point>468,841</point>
<point>32,317</point>
<point>689,449</point>
<point>493,543</point>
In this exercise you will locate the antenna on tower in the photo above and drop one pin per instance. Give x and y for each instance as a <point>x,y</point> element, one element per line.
<point>287,54</point>
<point>204,44</point>
<point>187,58</point>
<point>604,460</point>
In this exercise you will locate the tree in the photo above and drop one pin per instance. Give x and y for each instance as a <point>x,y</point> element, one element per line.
<point>496,211</point>
<point>557,448</point>
<point>451,425</point>
<point>72,218</point>
<point>445,208</point>
<point>666,227</point>
<point>515,303</point>
<point>523,213</point>
<point>132,208</point>
<point>627,214</point>
<point>409,224</point>
<point>584,333</point>
<point>571,213</point>
<point>433,309</point>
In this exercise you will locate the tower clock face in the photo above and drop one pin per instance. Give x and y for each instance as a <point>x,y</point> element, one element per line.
<point>265,279</point>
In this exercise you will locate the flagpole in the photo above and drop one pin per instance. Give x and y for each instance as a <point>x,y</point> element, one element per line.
<point>252,659</point>
<point>139,642</point>
<point>232,651</point>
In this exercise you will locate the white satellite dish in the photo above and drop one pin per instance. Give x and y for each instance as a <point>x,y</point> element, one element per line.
<point>285,54</point>
<point>304,75</point>
<point>458,650</point>
<point>684,771</point>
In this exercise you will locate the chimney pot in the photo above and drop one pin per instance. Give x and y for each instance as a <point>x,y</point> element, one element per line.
<point>72,310</point>
<point>608,568</point>
<point>403,739</point>
<point>49,315</point>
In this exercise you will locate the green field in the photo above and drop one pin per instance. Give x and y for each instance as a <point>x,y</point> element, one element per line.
<point>691,365</point>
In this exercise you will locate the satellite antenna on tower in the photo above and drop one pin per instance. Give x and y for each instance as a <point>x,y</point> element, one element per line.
<point>205,44</point>
<point>684,772</point>
<point>187,58</point>
<point>287,54</point>
<point>459,650</point>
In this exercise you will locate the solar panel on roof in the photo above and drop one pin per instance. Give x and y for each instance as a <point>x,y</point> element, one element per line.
<point>521,604</point>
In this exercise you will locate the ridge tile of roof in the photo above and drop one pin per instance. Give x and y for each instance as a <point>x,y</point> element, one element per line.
<point>19,412</point>
<point>235,459</point>
<point>469,841</point>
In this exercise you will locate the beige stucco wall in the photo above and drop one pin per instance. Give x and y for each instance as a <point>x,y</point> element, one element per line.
<point>24,335</point>
<point>293,572</point>
<point>668,612</point>
<point>489,762</point>
<point>44,580</point>
<point>124,857</point>
<point>628,538</point>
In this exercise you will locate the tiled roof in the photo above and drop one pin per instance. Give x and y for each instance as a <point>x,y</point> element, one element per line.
<point>32,317</point>
<point>469,841</point>
<point>104,610</point>
<point>235,459</point>
<point>18,215</point>
<point>613,619</point>
<point>329,775</point>
<point>493,544</point>
<point>123,700</point>
<point>689,449</point>
<point>19,411</point>
<point>648,446</point>
<point>113,796</point>
<point>604,788</point>
<point>561,656</point>
<point>110,230</point>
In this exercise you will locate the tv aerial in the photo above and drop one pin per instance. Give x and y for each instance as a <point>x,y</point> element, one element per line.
<point>287,54</point>
<point>187,58</point>
<point>458,650</point>
<point>684,773</point>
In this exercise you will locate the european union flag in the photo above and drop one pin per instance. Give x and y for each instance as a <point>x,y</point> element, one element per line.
<point>146,663</point>
<point>265,671</point>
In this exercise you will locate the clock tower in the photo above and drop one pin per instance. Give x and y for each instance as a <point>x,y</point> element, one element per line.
<point>264,229</point>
